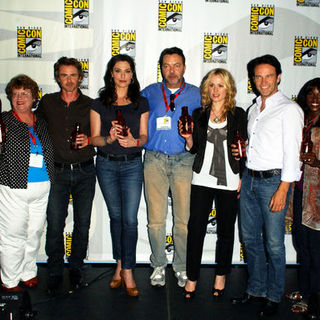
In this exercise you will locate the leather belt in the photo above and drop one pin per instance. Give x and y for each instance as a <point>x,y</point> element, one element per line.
<point>123,157</point>
<point>73,166</point>
<point>265,173</point>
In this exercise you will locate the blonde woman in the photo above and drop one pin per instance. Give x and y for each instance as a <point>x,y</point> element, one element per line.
<point>216,175</point>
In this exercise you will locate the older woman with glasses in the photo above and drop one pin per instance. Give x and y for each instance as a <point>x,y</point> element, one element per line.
<point>26,169</point>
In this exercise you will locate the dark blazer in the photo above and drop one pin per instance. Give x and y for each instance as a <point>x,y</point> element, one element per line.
<point>236,120</point>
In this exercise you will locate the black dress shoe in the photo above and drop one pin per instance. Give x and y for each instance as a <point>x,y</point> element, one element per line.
<point>76,280</point>
<point>245,299</point>
<point>54,283</point>
<point>269,308</point>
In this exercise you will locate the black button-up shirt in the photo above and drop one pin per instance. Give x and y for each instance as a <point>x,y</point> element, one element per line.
<point>61,120</point>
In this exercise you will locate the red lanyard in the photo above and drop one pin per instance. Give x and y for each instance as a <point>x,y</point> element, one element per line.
<point>171,100</point>
<point>33,139</point>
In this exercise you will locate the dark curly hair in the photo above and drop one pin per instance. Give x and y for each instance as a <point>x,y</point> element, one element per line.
<point>108,94</point>
<point>304,91</point>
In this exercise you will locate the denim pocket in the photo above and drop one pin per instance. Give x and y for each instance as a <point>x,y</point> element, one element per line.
<point>186,160</point>
<point>88,170</point>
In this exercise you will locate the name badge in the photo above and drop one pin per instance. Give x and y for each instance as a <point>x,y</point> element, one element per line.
<point>36,160</point>
<point>164,123</point>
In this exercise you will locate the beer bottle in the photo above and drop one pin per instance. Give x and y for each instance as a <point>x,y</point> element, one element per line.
<point>77,130</point>
<point>186,121</point>
<point>122,122</point>
<point>241,144</point>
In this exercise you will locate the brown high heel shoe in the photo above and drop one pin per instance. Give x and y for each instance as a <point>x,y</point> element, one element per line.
<point>132,292</point>
<point>115,283</point>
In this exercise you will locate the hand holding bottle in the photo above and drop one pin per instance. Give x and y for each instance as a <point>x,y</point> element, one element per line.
<point>186,136</point>
<point>121,122</point>
<point>76,138</point>
<point>128,141</point>
<point>310,159</point>
<point>240,145</point>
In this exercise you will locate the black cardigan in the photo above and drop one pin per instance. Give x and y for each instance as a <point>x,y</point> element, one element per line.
<point>14,167</point>
<point>236,120</point>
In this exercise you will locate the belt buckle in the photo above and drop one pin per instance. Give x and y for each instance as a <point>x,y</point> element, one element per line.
<point>75,166</point>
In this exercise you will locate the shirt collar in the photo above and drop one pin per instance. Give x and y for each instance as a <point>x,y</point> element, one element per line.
<point>167,89</point>
<point>272,100</point>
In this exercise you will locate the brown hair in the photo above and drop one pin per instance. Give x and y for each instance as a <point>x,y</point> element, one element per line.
<point>64,61</point>
<point>25,82</point>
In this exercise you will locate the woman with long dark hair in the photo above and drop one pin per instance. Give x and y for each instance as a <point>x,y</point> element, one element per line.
<point>306,205</point>
<point>119,161</point>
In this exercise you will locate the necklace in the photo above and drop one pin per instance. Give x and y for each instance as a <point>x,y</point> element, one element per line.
<point>216,118</point>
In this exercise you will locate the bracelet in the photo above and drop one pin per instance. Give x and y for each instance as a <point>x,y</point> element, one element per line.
<point>105,139</point>
<point>138,142</point>
<point>88,140</point>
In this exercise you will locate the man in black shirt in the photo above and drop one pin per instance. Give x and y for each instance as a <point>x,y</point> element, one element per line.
<point>74,171</point>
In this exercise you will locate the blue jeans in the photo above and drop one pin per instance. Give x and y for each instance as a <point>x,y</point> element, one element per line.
<point>80,183</point>
<point>263,237</point>
<point>121,185</point>
<point>162,172</point>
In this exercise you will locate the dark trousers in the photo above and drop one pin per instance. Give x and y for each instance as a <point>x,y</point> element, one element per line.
<point>80,183</point>
<point>307,244</point>
<point>226,210</point>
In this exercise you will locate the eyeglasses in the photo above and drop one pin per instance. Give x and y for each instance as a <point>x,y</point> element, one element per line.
<point>22,95</point>
<point>172,106</point>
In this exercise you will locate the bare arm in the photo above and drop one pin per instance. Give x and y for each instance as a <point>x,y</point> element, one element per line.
<point>95,125</point>
<point>129,141</point>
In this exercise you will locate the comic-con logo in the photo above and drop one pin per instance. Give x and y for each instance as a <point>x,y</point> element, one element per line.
<point>250,90</point>
<point>288,225</point>
<point>215,47</point>
<point>159,75</point>
<point>212,222</point>
<point>76,13</point>
<point>29,42</point>
<point>308,3</point>
<point>170,16</point>
<point>242,253</point>
<point>85,68</point>
<point>305,51</point>
<point>35,105</point>
<point>123,42</point>
<point>68,243</point>
<point>169,244</point>
<point>261,19</point>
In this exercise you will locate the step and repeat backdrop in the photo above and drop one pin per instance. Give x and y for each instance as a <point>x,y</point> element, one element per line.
<point>212,33</point>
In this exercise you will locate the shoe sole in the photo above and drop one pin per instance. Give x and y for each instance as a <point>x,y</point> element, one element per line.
<point>181,284</point>
<point>157,283</point>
